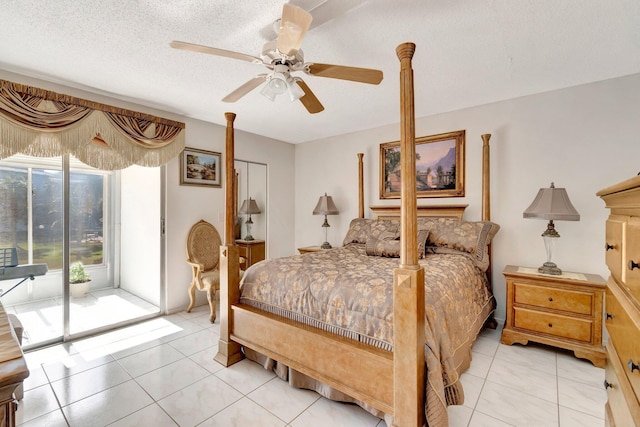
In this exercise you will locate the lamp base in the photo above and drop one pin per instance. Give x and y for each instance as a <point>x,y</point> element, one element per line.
<point>325,245</point>
<point>550,268</point>
<point>248,238</point>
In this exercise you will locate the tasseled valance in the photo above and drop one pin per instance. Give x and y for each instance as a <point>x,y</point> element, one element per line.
<point>42,123</point>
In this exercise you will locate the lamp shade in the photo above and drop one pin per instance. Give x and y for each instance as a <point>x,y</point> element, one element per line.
<point>249,207</point>
<point>552,204</point>
<point>325,206</point>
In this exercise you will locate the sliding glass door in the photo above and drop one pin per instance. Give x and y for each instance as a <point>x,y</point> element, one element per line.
<point>111,290</point>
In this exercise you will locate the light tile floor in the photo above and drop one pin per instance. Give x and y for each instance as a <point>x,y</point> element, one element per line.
<point>42,320</point>
<point>161,373</point>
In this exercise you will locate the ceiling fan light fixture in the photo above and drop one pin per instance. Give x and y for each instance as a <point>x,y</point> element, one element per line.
<point>276,85</point>
<point>295,91</point>
<point>280,83</point>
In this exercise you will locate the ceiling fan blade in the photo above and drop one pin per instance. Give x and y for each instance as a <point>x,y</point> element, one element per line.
<point>293,26</point>
<point>325,11</point>
<point>322,11</point>
<point>309,100</point>
<point>361,75</point>
<point>214,51</point>
<point>245,88</point>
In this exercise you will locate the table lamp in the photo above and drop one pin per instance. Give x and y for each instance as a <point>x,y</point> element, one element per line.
<point>551,204</point>
<point>325,207</point>
<point>249,207</point>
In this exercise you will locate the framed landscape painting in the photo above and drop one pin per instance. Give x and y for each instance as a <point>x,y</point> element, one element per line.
<point>439,166</point>
<point>200,167</point>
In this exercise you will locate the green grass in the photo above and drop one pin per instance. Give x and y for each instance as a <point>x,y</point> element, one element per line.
<point>51,253</point>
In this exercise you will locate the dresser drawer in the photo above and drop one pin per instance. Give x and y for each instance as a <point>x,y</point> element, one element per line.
<point>623,324</point>
<point>614,245</point>
<point>622,402</point>
<point>553,324</point>
<point>554,298</point>
<point>631,258</point>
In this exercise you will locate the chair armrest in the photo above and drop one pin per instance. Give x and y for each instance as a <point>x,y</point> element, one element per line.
<point>197,267</point>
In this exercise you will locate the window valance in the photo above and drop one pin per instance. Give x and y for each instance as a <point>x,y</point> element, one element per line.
<point>43,123</point>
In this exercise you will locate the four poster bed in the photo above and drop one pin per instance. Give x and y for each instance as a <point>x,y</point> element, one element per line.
<point>350,322</point>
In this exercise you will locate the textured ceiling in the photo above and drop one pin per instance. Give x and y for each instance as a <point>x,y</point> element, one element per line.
<point>469,52</point>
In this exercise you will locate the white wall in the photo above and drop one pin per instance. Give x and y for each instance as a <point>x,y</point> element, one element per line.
<point>186,205</point>
<point>583,138</point>
<point>139,225</point>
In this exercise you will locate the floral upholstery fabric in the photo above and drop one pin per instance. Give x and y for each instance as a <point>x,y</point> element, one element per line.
<point>344,291</point>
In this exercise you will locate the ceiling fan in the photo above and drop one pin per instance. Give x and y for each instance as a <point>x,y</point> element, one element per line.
<point>283,57</point>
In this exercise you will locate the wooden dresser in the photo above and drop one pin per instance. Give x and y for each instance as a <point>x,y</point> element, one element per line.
<point>622,303</point>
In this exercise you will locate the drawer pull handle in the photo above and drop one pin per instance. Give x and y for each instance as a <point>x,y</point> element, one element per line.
<point>550,325</point>
<point>550,299</point>
<point>607,384</point>
<point>633,366</point>
<point>609,316</point>
<point>633,265</point>
<point>608,247</point>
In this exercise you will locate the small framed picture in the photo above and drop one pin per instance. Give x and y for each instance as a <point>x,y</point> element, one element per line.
<point>200,167</point>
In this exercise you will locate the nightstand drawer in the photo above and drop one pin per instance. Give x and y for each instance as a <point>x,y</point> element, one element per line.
<point>554,298</point>
<point>243,251</point>
<point>553,324</point>
<point>624,332</point>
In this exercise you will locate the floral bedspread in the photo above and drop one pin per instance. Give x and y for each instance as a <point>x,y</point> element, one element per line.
<point>344,291</point>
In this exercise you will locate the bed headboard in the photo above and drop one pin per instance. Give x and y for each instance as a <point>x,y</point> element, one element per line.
<point>448,211</point>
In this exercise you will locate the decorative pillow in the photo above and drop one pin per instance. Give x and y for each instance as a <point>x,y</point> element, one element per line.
<point>388,245</point>
<point>382,226</point>
<point>362,229</point>
<point>358,231</point>
<point>465,236</point>
<point>423,236</point>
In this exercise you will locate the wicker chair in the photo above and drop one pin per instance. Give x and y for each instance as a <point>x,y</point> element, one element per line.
<point>203,255</point>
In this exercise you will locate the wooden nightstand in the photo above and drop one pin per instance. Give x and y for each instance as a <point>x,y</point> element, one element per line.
<point>310,249</point>
<point>251,250</point>
<point>563,311</point>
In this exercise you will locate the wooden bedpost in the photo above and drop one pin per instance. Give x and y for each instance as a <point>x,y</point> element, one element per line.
<point>486,207</point>
<point>408,279</point>
<point>228,351</point>
<point>486,183</point>
<point>360,186</point>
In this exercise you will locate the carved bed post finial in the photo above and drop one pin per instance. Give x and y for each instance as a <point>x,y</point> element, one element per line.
<point>360,186</point>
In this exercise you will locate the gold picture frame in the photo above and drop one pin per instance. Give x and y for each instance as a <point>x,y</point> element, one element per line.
<point>200,167</point>
<point>439,166</point>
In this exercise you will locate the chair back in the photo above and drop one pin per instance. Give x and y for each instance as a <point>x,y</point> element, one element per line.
<point>203,245</point>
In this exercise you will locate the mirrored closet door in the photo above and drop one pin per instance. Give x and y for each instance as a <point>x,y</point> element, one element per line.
<point>251,200</point>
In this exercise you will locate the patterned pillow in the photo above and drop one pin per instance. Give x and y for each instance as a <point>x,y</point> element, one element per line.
<point>362,229</point>
<point>388,245</point>
<point>358,231</point>
<point>465,236</point>
<point>385,245</point>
